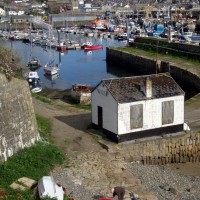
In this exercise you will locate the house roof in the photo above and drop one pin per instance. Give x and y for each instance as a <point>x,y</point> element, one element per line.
<point>130,89</point>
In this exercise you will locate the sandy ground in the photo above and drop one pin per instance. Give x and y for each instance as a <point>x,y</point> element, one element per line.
<point>70,127</point>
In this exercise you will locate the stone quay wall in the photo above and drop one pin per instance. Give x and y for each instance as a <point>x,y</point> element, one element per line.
<point>142,65</point>
<point>176,149</point>
<point>18,126</point>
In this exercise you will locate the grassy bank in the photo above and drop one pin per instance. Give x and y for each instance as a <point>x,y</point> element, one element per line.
<point>33,162</point>
<point>66,102</point>
<point>160,56</point>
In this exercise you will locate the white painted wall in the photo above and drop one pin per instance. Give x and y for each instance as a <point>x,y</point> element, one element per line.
<point>109,105</point>
<point>152,114</point>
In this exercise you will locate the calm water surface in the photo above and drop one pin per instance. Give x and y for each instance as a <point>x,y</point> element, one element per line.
<point>76,66</point>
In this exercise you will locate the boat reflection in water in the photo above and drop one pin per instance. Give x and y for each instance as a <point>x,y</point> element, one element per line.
<point>52,78</point>
<point>88,53</point>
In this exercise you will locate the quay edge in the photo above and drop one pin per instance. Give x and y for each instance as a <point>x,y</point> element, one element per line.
<point>142,65</point>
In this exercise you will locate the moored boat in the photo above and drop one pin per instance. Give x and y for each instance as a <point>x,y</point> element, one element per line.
<point>93,47</point>
<point>34,64</point>
<point>33,79</point>
<point>62,47</point>
<point>89,46</point>
<point>81,93</point>
<point>51,68</point>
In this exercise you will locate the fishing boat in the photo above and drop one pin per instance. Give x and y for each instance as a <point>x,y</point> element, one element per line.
<point>89,46</point>
<point>51,68</point>
<point>34,64</point>
<point>81,93</point>
<point>62,47</point>
<point>32,78</point>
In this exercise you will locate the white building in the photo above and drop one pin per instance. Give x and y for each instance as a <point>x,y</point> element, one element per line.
<point>135,107</point>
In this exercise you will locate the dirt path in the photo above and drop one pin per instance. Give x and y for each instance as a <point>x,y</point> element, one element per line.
<point>69,128</point>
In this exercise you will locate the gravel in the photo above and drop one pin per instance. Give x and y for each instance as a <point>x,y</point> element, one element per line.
<point>164,183</point>
<point>160,180</point>
<point>77,190</point>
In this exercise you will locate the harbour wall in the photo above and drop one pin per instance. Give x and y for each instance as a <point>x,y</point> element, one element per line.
<point>18,127</point>
<point>142,65</point>
<point>176,149</point>
<point>170,149</point>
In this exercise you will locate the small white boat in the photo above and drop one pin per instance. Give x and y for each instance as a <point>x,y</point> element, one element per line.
<point>51,69</point>
<point>36,89</point>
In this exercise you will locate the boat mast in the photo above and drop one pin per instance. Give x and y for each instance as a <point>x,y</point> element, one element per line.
<point>30,37</point>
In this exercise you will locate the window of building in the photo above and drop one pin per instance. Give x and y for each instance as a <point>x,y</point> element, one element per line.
<point>167,112</point>
<point>136,116</point>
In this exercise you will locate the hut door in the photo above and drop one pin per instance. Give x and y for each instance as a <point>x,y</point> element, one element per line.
<point>100,118</point>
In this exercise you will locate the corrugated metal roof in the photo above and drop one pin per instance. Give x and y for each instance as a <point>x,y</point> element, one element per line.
<point>130,89</point>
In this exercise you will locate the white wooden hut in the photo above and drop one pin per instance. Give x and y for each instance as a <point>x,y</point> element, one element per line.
<point>134,107</point>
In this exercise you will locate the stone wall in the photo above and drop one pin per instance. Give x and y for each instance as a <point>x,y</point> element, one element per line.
<point>176,149</point>
<point>141,65</point>
<point>131,62</point>
<point>18,127</point>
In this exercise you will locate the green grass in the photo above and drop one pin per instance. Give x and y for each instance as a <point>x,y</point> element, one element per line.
<point>161,56</point>
<point>33,162</point>
<point>82,106</point>
<point>44,127</point>
<point>77,106</point>
<point>42,98</point>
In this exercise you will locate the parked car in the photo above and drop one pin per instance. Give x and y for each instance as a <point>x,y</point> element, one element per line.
<point>48,187</point>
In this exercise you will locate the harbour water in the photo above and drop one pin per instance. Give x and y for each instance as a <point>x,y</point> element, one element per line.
<point>76,66</point>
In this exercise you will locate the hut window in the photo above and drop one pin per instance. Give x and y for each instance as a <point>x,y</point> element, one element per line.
<point>167,112</point>
<point>136,116</point>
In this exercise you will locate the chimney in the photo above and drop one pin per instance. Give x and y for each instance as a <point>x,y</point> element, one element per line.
<point>148,88</point>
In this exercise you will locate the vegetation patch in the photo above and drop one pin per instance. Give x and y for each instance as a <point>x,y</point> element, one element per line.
<point>44,127</point>
<point>33,162</point>
<point>73,106</point>
<point>42,98</point>
<point>160,55</point>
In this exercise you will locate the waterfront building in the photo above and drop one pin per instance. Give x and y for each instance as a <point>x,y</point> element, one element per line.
<point>135,107</point>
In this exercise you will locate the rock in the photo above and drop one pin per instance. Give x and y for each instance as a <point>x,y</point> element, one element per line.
<point>16,186</point>
<point>27,182</point>
<point>165,187</point>
<point>173,191</point>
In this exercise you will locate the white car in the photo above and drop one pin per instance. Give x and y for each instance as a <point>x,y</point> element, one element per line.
<point>48,187</point>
